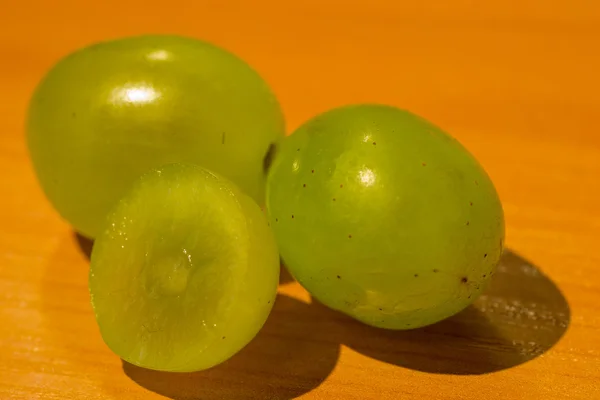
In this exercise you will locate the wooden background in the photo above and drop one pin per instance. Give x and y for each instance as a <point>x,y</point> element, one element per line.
<point>516,81</point>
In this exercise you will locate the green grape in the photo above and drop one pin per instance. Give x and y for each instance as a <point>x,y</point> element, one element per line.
<point>381,215</point>
<point>185,273</point>
<point>106,114</point>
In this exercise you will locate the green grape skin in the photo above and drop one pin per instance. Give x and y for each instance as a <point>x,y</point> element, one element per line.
<point>105,114</point>
<point>185,272</point>
<point>383,216</point>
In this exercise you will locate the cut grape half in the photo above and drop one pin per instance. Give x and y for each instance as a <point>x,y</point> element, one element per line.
<point>185,273</point>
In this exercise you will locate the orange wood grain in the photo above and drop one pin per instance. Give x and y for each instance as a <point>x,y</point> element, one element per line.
<point>515,81</point>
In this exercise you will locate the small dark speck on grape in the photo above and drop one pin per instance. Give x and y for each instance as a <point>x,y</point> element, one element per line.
<point>416,275</point>
<point>339,277</point>
<point>276,219</point>
<point>476,183</point>
<point>334,199</point>
<point>298,150</point>
<point>435,270</point>
<point>292,216</point>
<point>223,337</point>
<point>381,309</point>
<point>484,275</point>
<point>269,302</point>
<point>349,236</point>
<point>407,324</point>
<point>312,171</point>
<point>223,138</point>
<point>464,279</point>
<point>468,223</point>
<point>374,143</point>
<point>470,203</point>
<point>424,164</point>
<point>469,297</point>
<point>74,115</point>
<point>341,185</point>
<point>485,255</point>
<point>304,185</point>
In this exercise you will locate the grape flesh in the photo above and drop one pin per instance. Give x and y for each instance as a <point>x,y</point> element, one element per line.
<point>383,216</point>
<point>185,273</point>
<point>108,113</point>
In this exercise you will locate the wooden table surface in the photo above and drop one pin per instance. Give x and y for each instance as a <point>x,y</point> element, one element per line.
<point>516,81</point>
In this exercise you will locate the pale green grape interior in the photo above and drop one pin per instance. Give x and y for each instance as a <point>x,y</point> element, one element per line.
<point>170,272</point>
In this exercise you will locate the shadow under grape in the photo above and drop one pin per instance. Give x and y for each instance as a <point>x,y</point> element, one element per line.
<point>286,359</point>
<point>85,244</point>
<point>520,316</point>
<point>284,276</point>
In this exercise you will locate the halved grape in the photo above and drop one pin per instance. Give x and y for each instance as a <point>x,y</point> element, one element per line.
<point>108,113</point>
<point>381,215</point>
<point>186,272</point>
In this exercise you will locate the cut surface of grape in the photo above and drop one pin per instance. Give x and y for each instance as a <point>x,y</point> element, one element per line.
<point>185,273</point>
<point>383,216</point>
<point>110,112</point>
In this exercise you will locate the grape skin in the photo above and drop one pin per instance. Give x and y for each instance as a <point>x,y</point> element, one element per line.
<point>383,216</point>
<point>106,114</point>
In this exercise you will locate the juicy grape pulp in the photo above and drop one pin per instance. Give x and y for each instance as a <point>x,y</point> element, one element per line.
<point>185,273</point>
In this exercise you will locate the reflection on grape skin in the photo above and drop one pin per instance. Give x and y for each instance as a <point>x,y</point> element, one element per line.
<point>159,55</point>
<point>134,94</point>
<point>366,176</point>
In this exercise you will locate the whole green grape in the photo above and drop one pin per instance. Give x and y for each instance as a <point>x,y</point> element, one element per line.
<point>184,273</point>
<point>108,113</point>
<point>381,215</point>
